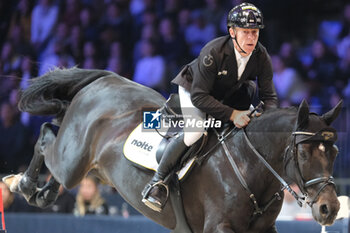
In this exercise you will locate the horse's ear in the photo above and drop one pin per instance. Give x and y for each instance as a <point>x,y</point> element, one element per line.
<point>303,115</point>
<point>330,116</point>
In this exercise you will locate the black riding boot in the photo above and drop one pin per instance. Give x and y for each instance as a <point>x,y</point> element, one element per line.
<point>156,192</point>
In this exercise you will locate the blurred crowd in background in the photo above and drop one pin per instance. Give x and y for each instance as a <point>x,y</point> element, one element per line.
<point>149,41</point>
<point>89,198</point>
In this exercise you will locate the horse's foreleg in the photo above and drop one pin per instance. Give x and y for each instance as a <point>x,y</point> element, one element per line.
<point>47,195</point>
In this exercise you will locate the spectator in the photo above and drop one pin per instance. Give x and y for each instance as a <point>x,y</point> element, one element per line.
<point>343,70</point>
<point>21,46</point>
<point>89,49</point>
<point>118,20</point>
<point>147,16</point>
<point>289,86</point>
<point>322,68</point>
<point>90,55</point>
<point>137,7</point>
<point>150,69</point>
<point>183,20</point>
<point>13,101</point>
<point>148,32</point>
<point>89,63</point>
<point>118,61</point>
<point>6,8</point>
<point>15,150</point>
<point>342,46</point>
<point>71,12</point>
<point>213,13</point>
<point>89,28</point>
<point>115,65</point>
<point>107,36</point>
<point>75,45</point>
<point>288,54</point>
<point>22,17</point>
<point>89,200</point>
<point>61,38</point>
<point>58,58</point>
<point>346,21</point>
<point>44,19</point>
<point>10,60</point>
<point>27,71</point>
<point>7,84</point>
<point>170,8</point>
<point>198,33</point>
<point>172,46</point>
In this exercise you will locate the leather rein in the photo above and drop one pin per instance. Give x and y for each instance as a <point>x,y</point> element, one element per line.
<point>291,149</point>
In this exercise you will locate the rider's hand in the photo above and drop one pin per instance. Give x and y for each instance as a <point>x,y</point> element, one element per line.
<point>256,114</point>
<point>240,118</point>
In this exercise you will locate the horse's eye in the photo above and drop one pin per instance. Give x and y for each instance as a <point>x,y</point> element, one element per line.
<point>303,154</point>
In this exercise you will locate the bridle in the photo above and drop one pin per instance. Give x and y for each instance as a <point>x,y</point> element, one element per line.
<point>291,153</point>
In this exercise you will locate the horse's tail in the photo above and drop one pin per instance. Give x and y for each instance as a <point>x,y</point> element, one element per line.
<point>52,93</point>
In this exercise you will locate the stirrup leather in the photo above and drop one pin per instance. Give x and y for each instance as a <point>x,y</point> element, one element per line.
<point>150,201</point>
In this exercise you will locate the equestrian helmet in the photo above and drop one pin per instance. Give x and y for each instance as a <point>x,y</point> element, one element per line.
<point>245,15</point>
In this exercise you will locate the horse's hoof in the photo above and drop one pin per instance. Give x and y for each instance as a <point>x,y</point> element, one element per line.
<point>12,181</point>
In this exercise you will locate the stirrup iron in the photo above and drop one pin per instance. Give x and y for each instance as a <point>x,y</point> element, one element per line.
<point>150,201</point>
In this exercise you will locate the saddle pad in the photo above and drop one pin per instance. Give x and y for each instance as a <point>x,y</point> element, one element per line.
<point>141,148</point>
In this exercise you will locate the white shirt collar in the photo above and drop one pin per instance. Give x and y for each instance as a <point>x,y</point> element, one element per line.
<point>240,57</point>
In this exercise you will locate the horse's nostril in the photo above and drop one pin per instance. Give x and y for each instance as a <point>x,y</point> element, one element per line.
<point>324,209</point>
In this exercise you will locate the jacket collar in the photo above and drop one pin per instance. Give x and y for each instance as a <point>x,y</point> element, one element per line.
<point>229,51</point>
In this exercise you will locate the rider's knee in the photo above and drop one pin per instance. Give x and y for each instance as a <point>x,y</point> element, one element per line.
<point>191,137</point>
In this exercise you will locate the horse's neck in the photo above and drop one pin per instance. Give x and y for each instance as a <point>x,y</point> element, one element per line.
<point>270,135</point>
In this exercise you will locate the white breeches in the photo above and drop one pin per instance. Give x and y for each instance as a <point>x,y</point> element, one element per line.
<point>191,135</point>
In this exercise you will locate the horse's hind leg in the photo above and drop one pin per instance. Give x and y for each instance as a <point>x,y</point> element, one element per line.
<point>47,195</point>
<point>26,184</point>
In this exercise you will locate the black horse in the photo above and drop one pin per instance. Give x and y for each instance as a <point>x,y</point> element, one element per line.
<point>96,110</point>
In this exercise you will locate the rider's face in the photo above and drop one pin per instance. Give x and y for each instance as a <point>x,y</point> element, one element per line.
<point>247,39</point>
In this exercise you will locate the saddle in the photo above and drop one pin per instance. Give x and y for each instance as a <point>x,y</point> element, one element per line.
<point>171,111</point>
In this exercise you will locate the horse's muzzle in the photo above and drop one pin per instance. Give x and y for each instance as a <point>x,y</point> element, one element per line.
<point>326,208</point>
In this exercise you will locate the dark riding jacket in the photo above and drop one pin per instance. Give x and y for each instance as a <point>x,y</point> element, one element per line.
<point>212,78</point>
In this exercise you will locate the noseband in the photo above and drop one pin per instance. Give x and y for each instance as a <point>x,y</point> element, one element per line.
<point>325,135</point>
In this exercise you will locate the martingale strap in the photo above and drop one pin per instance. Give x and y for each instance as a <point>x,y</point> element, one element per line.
<point>257,209</point>
<point>281,180</point>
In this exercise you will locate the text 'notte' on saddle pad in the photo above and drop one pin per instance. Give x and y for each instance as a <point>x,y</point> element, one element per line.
<point>141,148</point>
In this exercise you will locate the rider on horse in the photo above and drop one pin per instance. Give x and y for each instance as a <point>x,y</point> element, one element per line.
<point>219,83</point>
